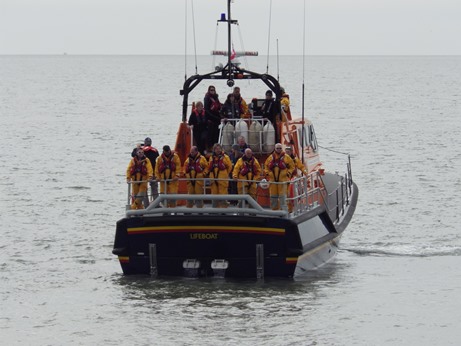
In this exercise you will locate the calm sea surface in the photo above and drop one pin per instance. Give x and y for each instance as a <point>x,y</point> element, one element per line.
<point>68,125</point>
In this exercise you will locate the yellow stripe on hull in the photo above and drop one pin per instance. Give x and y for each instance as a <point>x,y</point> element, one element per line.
<point>124,259</point>
<point>291,260</point>
<point>219,229</point>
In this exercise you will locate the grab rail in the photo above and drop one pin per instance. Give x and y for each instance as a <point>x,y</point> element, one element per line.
<point>305,193</point>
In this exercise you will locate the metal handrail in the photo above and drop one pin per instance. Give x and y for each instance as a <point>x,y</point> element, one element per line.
<point>303,197</point>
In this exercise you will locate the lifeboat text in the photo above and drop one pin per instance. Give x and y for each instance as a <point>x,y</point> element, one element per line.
<point>203,235</point>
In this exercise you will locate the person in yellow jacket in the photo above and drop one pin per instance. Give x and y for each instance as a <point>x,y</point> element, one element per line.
<point>167,171</point>
<point>194,168</point>
<point>285,105</point>
<point>138,173</point>
<point>219,167</point>
<point>247,168</point>
<point>278,168</point>
<point>298,166</point>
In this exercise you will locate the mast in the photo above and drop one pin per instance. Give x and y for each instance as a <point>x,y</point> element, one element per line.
<point>230,71</point>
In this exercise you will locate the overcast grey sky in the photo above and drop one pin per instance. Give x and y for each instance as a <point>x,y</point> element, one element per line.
<point>339,27</point>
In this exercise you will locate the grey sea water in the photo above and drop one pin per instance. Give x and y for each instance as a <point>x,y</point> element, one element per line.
<point>68,124</point>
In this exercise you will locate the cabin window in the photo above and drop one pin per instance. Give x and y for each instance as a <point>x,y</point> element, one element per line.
<point>303,137</point>
<point>312,138</point>
<point>309,138</point>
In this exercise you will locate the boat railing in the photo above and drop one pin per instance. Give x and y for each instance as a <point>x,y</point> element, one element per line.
<point>249,206</point>
<point>303,194</point>
<point>340,196</point>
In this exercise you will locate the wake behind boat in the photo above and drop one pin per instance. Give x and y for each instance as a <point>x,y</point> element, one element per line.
<point>247,237</point>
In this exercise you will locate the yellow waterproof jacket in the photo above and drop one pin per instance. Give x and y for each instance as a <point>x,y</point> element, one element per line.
<point>278,167</point>
<point>245,113</point>
<point>167,167</point>
<point>247,169</point>
<point>298,165</point>
<point>139,170</point>
<point>194,167</point>
<point>285,103</point>
<point>219,166</point>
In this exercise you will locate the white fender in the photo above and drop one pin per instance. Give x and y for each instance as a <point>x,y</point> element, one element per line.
<point>241,129</point>
<point>227,137</point>
<point>255,136</point>
<point>268,137</point>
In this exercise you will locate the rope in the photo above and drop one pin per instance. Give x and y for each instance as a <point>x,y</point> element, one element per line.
<point>334,151</point>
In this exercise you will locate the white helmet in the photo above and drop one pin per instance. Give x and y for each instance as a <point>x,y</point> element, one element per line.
<point>264,184</point>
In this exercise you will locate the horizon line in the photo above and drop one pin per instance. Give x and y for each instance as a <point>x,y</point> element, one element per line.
<point>192,55</point>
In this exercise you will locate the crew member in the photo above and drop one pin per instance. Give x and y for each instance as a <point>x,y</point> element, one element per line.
<point>199,121</point>
<point>240,104</point>
<point>268,108</point>
<point>219,168</point>
<point>298,166</point>
<point>269,111</point>
<point>139,171</point>
<point>242,144</point>
<point>151,153</point>
<point>194,166</point>
<point>229,109</point>
<point>285,105</point>
<point>167,171</point>
<point>278,170</point>
<point>248,171</point>
<point>212,107</point>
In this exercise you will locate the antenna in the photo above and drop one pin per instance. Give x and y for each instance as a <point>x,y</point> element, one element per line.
<point>185,39</point>
<point>278,77</point>
<point>303,94</point>
<point>195,42</point>
<point>269,36</point>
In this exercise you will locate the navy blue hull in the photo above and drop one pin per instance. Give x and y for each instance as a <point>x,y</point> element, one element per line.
<point>290,246</point>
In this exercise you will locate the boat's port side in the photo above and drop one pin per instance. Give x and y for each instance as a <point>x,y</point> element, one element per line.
<point>222,246</point>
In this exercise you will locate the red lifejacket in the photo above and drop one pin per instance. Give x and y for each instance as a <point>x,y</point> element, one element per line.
<point>149,148</point>
<point>201,118</point>
<point>248,166</point>
<point>277,162</point>
<point>217,162</point>
<point>138,167</point>
<point>193,164</point>
<point>166,163</point>
<point>215,104</point>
